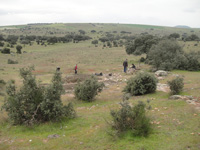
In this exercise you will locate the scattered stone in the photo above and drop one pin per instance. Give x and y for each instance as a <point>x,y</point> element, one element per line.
<point>162,87</point>
<point>175,97</point>
<point>191,102</point>
<point>175,75</point>
<point>160,78</point>
<point>81,143</point>
<point>30,140</point>
<point>161,73</point>
<point>53,136</point>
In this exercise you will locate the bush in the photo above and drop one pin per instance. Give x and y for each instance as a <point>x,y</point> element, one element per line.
<point>19,48</point>
<point>6,51</point>
<point>95,42</point>
<point>142,83</point>
<point>174,35</point>
<point>34,103</point>
<point>2,85</point>
<point>166,55</point>
<point>142,59</point>
<point>192,37</point>
<point>141,44</point>
<point>176,85</point>
<point>2,82</point>
<point>169,55</point>
<point>132,119</point>
<point>1,44</point>
<point>192,62</point>
<point>88,89</point>
<point>10,61</point>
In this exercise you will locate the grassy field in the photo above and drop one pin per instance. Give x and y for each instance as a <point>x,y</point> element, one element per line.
<point>176,124</point>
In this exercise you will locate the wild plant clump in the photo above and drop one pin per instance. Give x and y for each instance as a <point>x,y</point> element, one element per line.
<point>5,51</point>
<point>2,85</point>
<point>142,83</point>
<point>176,85</point>
<point>10,61</point>
<point>87,90</point>
<point>132,119</point>
<point>33,103</point>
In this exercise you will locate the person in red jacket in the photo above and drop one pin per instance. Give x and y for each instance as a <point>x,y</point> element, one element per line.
<point>75,69</point>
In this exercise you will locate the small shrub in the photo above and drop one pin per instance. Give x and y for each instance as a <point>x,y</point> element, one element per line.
<point>142,83</point>
<point>176,85</point>
<point>2,82</point>
<point>1,44</point>
<point>33,103</point>
<point>132,119</point>
<point>87,90</point>
<point>19,48</point>
<point>2,85</point>
<point>95,42</point>
<point>10,61</point>
<point>142,59</point>
<point>5,51</point>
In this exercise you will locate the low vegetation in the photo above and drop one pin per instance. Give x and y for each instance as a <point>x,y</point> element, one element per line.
<point>133,119</point>
<point>176,85</point>
<point>142,83</point>
<point>169,55</point>
<point>10,61</point>
<point>33,103</point>
<point>87,90</point>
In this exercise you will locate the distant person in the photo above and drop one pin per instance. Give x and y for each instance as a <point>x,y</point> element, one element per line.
<point>133,66</point>
<point>125,64</point>
<point>58,69</point>
<point>75,69</point>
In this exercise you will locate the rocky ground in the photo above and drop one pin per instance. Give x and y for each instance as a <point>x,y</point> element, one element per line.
<point>119,79</point>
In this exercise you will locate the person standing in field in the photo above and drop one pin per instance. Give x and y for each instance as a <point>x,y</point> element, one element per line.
<point>75,69</point>
<point>125,64</point>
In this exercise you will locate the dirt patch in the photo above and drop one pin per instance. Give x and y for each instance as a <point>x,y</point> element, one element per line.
<point>91,70</point>
<point>76,78</point>
<point>69,87</point>
<point>37,71</point>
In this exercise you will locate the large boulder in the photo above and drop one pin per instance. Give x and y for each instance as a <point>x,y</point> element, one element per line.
<point>161,73</point>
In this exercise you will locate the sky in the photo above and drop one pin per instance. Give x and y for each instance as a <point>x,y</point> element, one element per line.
<point>150,12</point>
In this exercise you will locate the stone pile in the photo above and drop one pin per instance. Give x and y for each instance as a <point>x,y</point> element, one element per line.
<point>189,99</point>
<point>161,73</point>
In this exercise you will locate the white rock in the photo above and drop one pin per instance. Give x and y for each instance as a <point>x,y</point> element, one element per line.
<point>161,73</point>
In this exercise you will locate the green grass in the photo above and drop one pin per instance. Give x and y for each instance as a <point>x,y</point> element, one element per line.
<point>144,26</point>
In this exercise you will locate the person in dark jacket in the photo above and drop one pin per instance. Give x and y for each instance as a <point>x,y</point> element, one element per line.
<point>125,64</point>
<point>133,66</point>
